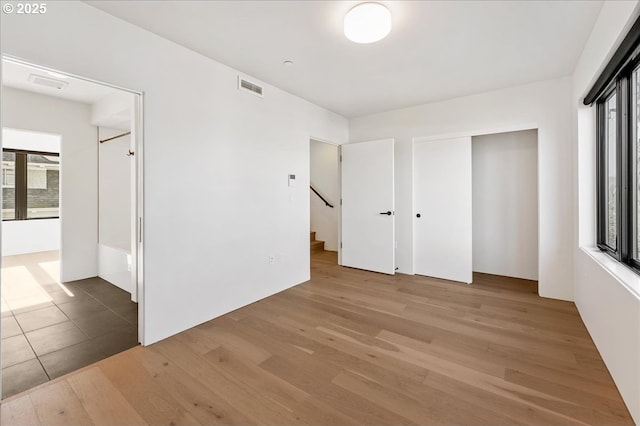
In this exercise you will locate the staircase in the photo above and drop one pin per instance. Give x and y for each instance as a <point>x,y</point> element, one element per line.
<point>316,246</point>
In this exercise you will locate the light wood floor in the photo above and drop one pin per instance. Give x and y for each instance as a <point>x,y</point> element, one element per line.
<point>353,347</point>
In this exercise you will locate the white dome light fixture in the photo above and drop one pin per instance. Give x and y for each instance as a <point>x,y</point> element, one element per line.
<point>367,23</point>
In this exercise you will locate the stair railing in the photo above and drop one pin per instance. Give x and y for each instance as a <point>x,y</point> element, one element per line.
<point>328,204</point>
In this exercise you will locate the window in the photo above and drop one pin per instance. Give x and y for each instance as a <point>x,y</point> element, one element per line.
<point>618,159</point>
<point>616,93</point>
<point>31,188</point>
<point>610,172</point>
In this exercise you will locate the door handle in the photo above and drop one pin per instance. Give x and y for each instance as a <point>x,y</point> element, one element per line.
<point>387,213</point>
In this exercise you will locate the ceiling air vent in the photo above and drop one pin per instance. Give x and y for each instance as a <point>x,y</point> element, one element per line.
<point>249,86</point>
<point>47,81</point>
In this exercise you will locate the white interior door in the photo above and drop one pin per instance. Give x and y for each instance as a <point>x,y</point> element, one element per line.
<point>442,201</point>
<point>368,220</point>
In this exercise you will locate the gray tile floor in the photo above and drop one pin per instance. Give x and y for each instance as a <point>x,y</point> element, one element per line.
<point>76,325</point>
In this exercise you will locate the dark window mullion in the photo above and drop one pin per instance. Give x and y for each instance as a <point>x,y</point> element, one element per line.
<point>601,175</point>
<point>21,186</point>
<point>623,163</point>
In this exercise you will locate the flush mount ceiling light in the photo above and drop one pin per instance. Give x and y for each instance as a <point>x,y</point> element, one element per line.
<point>367,23</point>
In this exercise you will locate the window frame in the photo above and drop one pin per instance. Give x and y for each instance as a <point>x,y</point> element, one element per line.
<point>602,177</point>
<point>21,184</point>
<point>626,211</point>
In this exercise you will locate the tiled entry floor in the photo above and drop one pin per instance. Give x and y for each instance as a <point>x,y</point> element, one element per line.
<point>50,329</point>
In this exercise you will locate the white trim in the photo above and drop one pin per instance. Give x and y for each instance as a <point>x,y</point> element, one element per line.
<point>339,204</point>
<point>138,213</point>
<point>414,140</point>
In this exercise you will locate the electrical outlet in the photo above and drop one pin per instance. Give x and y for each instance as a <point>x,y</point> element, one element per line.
<point>273,259</point>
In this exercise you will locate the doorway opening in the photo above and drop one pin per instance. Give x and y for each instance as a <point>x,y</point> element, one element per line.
<point>324,200</point>
<point>71,257</point>
<point>505,204</point>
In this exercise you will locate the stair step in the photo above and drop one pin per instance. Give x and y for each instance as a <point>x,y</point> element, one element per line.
<point>317,246</point>
<point>313,236</point>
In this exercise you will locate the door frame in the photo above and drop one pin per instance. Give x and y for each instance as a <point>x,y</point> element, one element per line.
<point>137,217</point>
<point>137,251</point>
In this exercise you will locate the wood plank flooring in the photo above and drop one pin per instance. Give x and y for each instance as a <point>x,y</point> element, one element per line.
<point>351,347</point>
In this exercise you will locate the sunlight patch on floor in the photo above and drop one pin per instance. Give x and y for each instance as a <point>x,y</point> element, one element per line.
<point>52,269</point>
<point>25,277</point>
<point>21,289</point>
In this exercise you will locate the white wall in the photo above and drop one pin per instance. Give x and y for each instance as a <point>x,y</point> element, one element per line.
<point>113,111</point>
<point>604,294</point>
<point>216,199</point>
<point>505,204</point>
<point>544,105</point>
<point>78,171</point>
<point>114,266</point>
<point>114,190</point>
<point>30,141</point>
<point>325,164</point>
<point>30,236</point>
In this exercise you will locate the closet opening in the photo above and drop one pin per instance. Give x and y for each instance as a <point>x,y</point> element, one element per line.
<point>72,282</point>
<point>505,204</point>
<point>476,208</point>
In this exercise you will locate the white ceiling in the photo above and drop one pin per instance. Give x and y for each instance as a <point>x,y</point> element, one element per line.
<point>17,76</point>
<point>436,50</point>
